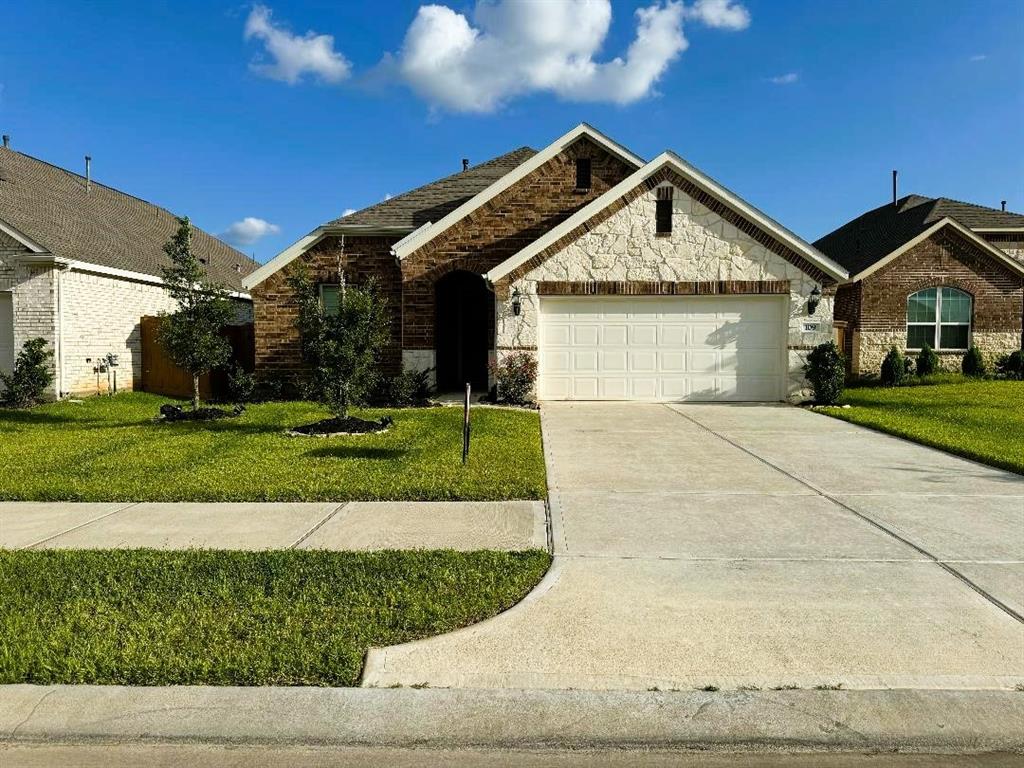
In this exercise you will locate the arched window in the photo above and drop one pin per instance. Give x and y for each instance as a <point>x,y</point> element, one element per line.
<point>939,317</point>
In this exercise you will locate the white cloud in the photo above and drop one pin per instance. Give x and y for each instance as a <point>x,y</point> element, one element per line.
<point>721,14</point>
<point>293,56</point>
<point>787,79</point>
<point>516,47</point>
<point>979,57</point>
<point>248,231</point>
<point>348,212</point>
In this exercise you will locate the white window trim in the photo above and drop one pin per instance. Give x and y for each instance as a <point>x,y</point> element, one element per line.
<point>937,322</point>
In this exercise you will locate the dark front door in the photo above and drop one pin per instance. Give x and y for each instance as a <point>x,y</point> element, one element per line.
<point>465,311</point>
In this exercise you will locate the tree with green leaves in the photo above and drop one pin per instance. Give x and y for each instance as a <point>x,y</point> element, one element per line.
<point>341,344</point>
<point>191,336</point>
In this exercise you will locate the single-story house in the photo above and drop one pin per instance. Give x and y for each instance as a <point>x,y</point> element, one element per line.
<point>628,279</point>
<point>80,264</point>
<point>930,271</point>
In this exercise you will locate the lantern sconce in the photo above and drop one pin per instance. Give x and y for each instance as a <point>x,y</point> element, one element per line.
<point>517,302</point>
<point>813,300</point>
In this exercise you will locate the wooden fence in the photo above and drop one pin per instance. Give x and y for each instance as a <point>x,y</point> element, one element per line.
<point>162,377</point>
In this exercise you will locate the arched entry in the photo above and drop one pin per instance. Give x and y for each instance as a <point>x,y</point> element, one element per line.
<point>465,319</point>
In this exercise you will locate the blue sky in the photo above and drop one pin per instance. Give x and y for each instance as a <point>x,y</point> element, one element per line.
<point>803,108</point>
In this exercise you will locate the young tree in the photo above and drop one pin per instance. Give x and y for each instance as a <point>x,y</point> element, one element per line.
<point>192,335</point>
<point>342,348</point>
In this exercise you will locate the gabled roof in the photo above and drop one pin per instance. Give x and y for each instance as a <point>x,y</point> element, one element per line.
<point>428,233</point>
<point>671,161</point>
<point>103,227</point>
<point>872,236</point>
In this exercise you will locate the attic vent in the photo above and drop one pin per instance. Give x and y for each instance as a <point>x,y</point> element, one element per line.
<point>583,179</point>
<point>663,211</point>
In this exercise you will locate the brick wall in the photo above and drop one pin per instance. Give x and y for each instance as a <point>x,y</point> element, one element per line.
<point>275,308</point>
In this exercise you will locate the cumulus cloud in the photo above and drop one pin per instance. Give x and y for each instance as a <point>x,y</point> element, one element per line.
<point>293,56</point>
<point>515,47</point>
<point>348,212</point>
<point>248,230</point>
<point>787,79</point>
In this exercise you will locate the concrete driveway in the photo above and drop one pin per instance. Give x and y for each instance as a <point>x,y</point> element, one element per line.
<point>751,546</point>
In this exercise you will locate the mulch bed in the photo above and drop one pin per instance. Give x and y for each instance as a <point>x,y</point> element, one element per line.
<point>177,413</point>
<point>347,426</point>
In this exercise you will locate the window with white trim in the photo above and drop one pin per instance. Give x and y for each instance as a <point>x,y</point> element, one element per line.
<point>939,317</point>
<point>329,298</point>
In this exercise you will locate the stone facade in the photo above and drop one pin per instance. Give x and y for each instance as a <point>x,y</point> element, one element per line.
<point>703,248</point>
<point>1010,242</point>
<point>875,308</point>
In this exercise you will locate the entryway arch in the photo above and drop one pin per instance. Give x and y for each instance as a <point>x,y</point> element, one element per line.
<point>463,334</point>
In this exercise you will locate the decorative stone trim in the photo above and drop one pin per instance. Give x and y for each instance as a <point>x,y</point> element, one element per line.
<point>517,348</point>
<point>657,288</point>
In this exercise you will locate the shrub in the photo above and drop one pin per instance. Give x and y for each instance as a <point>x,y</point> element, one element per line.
<point>973,363</point>
<point>1011,366</point>
<point>31,375</point>
<point>242,385</point>
<point>407,389</point>
<point>927,361</point>
<point>894,368</point>
<point>826,370</point>
<point>516,376</point>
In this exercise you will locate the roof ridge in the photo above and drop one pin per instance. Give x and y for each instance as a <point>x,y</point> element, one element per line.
<point>978,206</point>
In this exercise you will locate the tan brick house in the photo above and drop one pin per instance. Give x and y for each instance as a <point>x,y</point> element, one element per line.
<point>629,280</point>
<point>929,271</point>
<point>80,265</point>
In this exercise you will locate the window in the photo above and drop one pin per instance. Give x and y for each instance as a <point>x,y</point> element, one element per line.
<point>939,317</point>
<point>663,211</point>
<point>583,173</point>
<point>329,298</point>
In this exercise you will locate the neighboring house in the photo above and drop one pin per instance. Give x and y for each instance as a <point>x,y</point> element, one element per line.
<point>929,271</point>
<point>80,264</point>
<point>629,280</point>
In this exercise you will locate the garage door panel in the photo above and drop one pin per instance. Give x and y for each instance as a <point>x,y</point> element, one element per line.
<point>662,348</point>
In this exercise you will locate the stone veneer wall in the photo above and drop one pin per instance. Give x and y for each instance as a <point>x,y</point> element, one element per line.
<point>878,319</point>
<point>703,247</point>
<point>1009,242</point>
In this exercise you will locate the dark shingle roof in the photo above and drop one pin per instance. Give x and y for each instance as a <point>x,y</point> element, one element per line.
<point>104,226</point>
<point>874,235</point>
<point>434,201</point>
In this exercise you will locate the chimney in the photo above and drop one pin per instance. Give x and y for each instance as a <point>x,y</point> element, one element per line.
<point>7,141</point>
<point>88,172</point>
<point>465,163</point>
<point>1003,204</point>
<point>895,173</point>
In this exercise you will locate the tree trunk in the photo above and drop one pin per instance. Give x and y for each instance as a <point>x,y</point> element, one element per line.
<point>195,391</point>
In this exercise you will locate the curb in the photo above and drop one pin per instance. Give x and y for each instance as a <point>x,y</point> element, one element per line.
<point>872,721</point>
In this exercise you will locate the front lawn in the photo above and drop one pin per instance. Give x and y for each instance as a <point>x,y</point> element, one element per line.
<point>109,449</point>
<point>203,617</point>
<point>981,420</point>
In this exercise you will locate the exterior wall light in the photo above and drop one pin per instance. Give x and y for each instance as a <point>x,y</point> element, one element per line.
<point>517,303</point>
<point>813,300</point>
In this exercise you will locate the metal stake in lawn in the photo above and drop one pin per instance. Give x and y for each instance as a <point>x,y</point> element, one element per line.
<point>465,426</point>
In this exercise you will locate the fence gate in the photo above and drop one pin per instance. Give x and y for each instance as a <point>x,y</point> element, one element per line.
<point>162,377</point>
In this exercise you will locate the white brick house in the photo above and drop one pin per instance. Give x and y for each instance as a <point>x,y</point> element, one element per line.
<point>80,265</point>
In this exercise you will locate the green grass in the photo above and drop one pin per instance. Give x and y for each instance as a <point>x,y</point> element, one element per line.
<point>110,449</point>
<point>981,420</point>
<point>142,617</point>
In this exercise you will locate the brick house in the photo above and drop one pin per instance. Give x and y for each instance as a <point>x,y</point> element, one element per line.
<point>80,264</point>
<point>627,279</point>
<point>929,271</point>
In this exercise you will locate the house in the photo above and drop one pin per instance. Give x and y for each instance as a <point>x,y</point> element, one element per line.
<point>80,264</point>
<point>929,271</point>
<point>628,279</point>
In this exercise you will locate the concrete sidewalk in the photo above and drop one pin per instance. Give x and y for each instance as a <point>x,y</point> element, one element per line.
<point>465,525</point>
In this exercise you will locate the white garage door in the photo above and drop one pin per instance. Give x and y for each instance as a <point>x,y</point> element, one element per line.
<point>662,348</point>
<point>6,333</point>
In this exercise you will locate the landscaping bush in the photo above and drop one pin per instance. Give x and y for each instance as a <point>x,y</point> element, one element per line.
<point>927,361</point>
<point>1011,366</point>
<point>30,378</point>
<point>516,376</point>
<point>826,370</point>
<point>406,390</point>
<point>973,364</point>
<point>894,368</point>
<point>242,385</point>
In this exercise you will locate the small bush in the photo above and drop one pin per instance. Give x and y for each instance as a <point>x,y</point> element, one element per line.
<point>973,363</point>
<point>242,385</point>
<point>894,368</point>
<point>826,370</point>
<point>407,389</point>
<point>927,361</point>
<point>516,376</point>
<point>1011,366</point>
<point>31,376</point>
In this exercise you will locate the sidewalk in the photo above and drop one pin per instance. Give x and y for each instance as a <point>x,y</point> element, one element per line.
<point>462,525</point>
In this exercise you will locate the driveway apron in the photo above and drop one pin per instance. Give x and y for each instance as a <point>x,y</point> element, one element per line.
<point>751,546</point>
